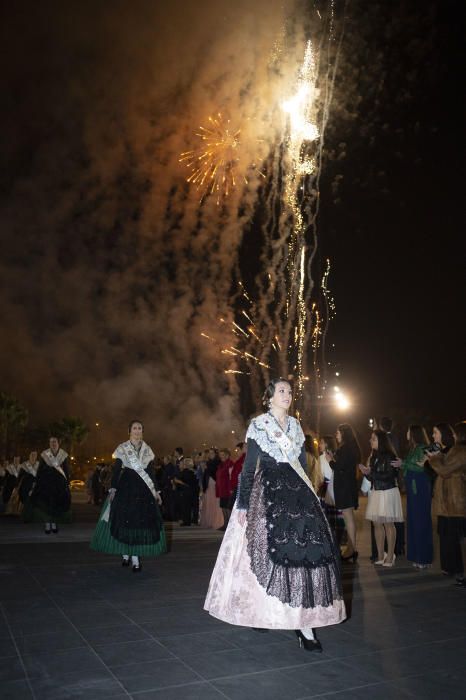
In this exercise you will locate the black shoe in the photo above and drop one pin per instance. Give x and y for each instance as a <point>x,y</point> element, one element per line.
<point>185,525</point>
<point>460,583</point>
<point>259,629</point>
<point>47,531</point>
<point>352,557</point>
<point>308,644</point>
<point>136,568</point>
<point>54,530</point>
<point>125,562</point>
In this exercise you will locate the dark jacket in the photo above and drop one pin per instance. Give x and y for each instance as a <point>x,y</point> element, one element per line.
<point>383,476</point>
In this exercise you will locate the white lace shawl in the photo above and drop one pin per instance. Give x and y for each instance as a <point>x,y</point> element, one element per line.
<point>126,450</point>
<point>54,460</point>
<point>261,430</point>
<point>30,468</point>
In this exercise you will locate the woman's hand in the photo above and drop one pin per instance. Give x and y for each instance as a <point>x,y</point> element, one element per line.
<point>422,461</point>
<point>429,455</point>
<point>111,494</point>
<point>365,470</point>
<point>242,517</point>
<point>396,463</point>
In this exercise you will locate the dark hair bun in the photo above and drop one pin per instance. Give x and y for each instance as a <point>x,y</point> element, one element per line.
<point>270,390</point>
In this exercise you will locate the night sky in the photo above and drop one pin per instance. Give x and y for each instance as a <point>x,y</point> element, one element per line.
<point>109,269</point>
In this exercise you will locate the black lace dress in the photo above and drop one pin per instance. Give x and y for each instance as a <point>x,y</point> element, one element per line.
<point>294,557</point>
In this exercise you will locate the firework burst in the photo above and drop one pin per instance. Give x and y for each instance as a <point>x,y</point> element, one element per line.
<point>213,164</point>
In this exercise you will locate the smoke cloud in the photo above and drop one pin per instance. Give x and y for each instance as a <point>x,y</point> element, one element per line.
<point>110,268</point>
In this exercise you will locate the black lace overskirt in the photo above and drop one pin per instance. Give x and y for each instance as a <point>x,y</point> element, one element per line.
<point>290,543</point>
<point>135,517</point>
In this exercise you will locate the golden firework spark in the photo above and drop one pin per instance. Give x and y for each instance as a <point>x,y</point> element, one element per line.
<point>302,131</point>
<point>213,165</point>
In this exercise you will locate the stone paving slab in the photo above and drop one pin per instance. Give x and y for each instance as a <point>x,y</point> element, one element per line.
<point>75,624</point>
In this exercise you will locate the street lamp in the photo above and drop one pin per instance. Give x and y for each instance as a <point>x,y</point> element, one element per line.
<point>341,401</point>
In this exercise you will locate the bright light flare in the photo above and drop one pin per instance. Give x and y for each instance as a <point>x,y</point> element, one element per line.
<point>342,402</point>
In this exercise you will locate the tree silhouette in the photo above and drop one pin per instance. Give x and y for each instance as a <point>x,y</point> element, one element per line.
<point>71,432</point>
<point>13,419</point>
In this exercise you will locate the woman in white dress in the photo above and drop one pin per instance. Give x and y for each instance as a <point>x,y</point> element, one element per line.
<point>278,565</point>
<point>384,501</point>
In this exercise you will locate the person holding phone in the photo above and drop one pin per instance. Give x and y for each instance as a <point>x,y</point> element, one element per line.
<point>384,507</point>
<point>418,499</point>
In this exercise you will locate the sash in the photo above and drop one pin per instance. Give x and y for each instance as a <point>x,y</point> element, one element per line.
<point>277,434</point>
<point>30,468</point>
<point>130,459</point>
<point>13,470</point>
<point>55,461</point>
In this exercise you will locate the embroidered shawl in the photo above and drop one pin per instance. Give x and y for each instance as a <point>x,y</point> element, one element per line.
<point>55,461</point>
<point>137,462</point>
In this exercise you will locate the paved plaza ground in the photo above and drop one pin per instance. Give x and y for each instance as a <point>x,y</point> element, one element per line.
<point>75,624</point>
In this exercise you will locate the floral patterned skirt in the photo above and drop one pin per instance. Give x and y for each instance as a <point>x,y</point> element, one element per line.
<point>266,593</point>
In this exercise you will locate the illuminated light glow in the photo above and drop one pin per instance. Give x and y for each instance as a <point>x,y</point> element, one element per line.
<point>342,402</point>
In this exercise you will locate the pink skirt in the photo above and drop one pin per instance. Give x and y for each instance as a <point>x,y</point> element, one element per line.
<point>211,515</point>
<point>235,595</point>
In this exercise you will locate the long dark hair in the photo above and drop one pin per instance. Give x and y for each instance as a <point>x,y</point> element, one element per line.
<point>460,433</point>
<point>446,431</point>
<point>348,436</point>
<point>417,436</point>
<point>384,443</point>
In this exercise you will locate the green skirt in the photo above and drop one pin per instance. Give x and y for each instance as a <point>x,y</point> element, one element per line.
<point>102,541</point>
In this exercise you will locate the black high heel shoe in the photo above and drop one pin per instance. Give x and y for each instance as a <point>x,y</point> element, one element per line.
<point>125,562</point>
<point>308,644</point>
<point>137,568</point>
<point>352,557</point>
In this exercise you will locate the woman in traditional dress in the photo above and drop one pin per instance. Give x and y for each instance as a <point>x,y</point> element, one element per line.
<point>51,496</point>
<point>10,481</point>
<point>278,565</point>
<point>26,481</point>
<point>130,523</point>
